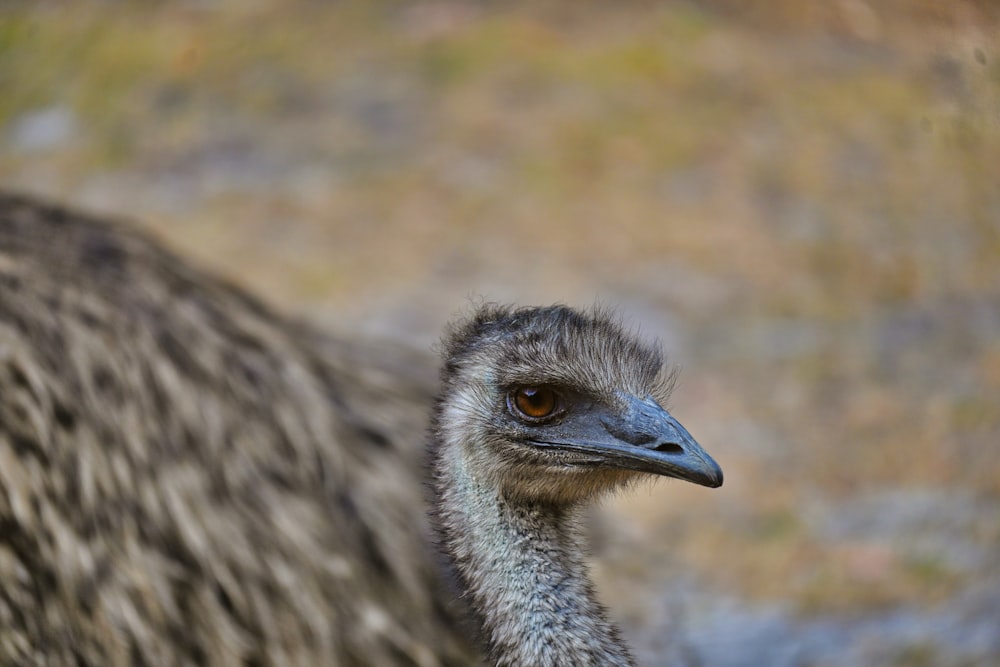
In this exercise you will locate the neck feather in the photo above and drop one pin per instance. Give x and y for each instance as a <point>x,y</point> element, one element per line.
<point>522,571</point>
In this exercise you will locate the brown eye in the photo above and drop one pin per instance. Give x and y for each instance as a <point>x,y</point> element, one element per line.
<point>533,402</point>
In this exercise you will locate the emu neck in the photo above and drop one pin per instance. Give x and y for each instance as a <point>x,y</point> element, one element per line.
<point>522,570</point>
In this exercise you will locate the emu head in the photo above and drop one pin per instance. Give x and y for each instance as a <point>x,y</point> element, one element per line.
<point>552,406</point>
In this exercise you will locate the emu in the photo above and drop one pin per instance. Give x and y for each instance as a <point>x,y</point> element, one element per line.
<point>541,411</point>
<point>188,478</point>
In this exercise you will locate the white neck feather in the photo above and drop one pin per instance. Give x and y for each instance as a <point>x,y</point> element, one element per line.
<point>523,572</point>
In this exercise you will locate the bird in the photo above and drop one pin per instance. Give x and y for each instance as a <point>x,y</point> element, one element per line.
<point>540,412</point>
<point>189,477</point>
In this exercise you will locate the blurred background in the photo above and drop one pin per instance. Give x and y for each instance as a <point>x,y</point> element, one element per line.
<point>800,200</point>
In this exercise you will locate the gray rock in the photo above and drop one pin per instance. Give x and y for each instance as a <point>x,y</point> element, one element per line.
<point>43,129</point>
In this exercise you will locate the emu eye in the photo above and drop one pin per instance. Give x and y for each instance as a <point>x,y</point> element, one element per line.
<point>533,403</point>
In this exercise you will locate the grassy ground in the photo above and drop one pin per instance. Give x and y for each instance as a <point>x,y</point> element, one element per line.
<point>803,201</point>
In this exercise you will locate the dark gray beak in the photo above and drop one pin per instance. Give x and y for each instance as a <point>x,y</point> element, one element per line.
<point>642,437</point>
<point>659,444</point>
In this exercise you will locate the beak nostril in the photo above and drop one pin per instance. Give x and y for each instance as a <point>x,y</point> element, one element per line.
<point>669,448</point>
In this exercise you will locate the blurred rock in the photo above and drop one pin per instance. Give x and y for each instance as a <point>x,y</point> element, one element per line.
<point>936,524</point>
<point>697,629</point>
<point>43,129</point>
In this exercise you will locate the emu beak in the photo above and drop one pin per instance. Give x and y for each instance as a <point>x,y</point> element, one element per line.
<point>657,443</point>
<point>642,437</point>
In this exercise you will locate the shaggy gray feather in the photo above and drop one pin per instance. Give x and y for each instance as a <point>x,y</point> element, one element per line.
<point>187,478</point>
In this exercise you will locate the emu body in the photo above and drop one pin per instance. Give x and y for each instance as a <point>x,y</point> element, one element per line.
<point>187,478</point>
